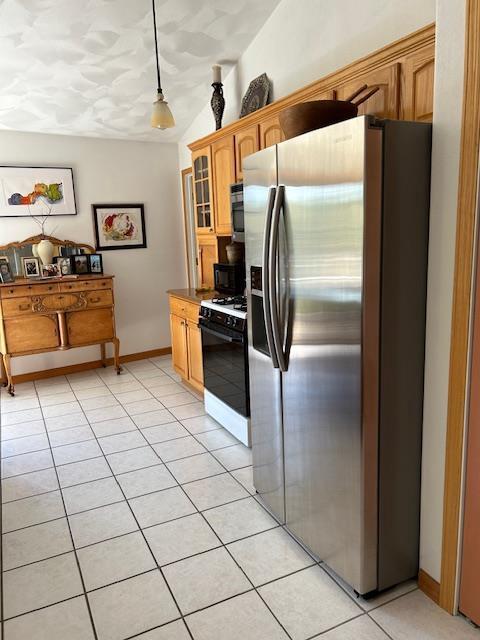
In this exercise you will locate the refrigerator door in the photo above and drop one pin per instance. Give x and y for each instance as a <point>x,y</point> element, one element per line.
<point>260,180</point>
<point>330,444</point>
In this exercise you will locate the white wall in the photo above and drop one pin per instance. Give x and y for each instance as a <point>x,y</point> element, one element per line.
<point>303,41</point>
<point>449,62</point>
<point>122,172</point>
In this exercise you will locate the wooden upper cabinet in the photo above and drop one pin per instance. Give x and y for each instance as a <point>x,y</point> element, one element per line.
<point>202,191</point>
<point>270,132</point>
<point>246,143</point>
<point>418,75</point>
<point>385,103</point>
<point>207,257</point>
<point>223,175</point>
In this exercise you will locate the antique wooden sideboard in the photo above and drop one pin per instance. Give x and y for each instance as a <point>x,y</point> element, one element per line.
<point>43,315</point>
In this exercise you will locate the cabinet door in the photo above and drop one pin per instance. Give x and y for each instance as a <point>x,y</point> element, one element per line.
<point>418,72</point>
<point>207,257</point>
<point>195,361</point>
<point>202,191</point>
<point>223,173</point>
<point>31,333</point>
<point>384,103</point>
<point>178,333</point>
<point>270,132</point>
<point>246,143</point>
<point>90,326</point>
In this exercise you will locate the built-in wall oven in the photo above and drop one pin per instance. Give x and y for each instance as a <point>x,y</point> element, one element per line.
<point>237,212</point>
<point>225,367</point>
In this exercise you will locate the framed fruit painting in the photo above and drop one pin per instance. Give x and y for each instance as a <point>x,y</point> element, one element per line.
<point>119,226</point>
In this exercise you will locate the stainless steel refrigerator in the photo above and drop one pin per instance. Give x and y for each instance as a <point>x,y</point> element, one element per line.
<point>336,237</point>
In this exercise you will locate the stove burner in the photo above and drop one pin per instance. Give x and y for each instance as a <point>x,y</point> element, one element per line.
<point>238,302</point>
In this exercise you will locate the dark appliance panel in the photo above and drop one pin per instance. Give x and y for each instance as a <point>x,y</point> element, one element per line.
<point>229,279</point>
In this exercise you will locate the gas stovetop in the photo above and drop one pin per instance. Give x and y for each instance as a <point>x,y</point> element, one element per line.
<point>229,305</point>
<point>237,302</point>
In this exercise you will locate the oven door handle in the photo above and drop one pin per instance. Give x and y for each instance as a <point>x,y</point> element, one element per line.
<point>222,336</point>
<point>266,276</point>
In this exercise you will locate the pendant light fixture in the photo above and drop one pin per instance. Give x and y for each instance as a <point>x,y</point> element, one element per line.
<point>162,117</point>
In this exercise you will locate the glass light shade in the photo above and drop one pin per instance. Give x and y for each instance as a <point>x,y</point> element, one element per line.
<point>162,117</point>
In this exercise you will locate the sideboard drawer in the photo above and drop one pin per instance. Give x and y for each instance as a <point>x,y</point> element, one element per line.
<point>86,285</point>
<point>99,298</point>
<point>16,307</point>
<point>31,333</point>
<point>58,302</point>
<point>28,289</point>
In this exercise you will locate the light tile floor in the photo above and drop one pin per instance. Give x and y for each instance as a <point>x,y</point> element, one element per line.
<point>129,513</point>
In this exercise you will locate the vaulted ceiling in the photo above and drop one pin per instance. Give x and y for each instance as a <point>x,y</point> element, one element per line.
<point>87,67</point>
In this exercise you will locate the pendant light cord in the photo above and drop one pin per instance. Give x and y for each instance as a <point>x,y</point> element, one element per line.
<point>156,47</point>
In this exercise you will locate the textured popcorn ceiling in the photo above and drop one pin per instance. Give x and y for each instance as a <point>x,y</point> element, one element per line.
<point>87,67</point>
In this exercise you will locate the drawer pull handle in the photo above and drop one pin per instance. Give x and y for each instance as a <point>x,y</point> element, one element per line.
<point>94,300</point>
<point>24,307</point>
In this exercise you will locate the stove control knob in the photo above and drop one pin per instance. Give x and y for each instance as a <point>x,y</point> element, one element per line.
<point>234,322</point>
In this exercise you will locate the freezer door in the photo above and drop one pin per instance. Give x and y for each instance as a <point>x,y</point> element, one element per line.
<point>330,448</point>
<point>260,180</point>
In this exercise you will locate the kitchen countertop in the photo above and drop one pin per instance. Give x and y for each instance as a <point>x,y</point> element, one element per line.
<point>190,295</point>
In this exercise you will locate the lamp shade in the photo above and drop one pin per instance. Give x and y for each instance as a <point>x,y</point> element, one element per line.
<point>162,117</point>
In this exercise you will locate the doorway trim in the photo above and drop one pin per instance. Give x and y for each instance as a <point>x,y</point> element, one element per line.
<point>461,308</point>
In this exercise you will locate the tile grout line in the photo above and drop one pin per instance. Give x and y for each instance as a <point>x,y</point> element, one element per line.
<point>2,624</point>
<point>143,535</point>
<point>73,544</point>
<point>316,563</point>
<point>229,553</point>
<point>176,420</point>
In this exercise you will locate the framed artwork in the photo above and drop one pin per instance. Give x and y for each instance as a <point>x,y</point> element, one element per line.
<point>95,263</point>
<point>64,265</point>
<point>31,191</point>
<point>31,267</point>
<point>119,226</point>
<point>5,272</point>
<point>80,264</point>
<point>50,270</point>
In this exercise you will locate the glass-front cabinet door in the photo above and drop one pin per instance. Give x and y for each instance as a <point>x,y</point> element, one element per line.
<point>202,191</point>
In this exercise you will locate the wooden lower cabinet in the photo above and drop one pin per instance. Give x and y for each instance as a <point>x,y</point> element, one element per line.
<point>195,359</point>
<point>179,345</point>
<point>36,317</point>
<point>186,341</point>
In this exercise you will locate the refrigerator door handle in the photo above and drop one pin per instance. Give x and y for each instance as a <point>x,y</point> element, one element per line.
<point>272,278</point>
<point>266,277</point>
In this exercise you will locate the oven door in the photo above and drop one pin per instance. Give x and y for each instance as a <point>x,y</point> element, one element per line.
<point>225,366</point>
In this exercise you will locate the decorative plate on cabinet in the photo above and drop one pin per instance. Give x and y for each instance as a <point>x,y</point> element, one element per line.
<point>256,96</point>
